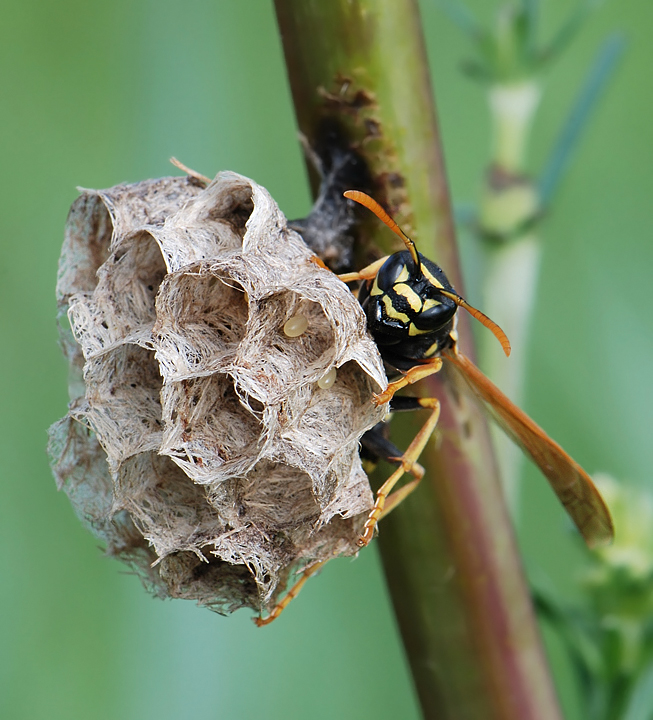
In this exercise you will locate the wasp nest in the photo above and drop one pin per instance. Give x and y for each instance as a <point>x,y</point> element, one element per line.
<point>220,384</point>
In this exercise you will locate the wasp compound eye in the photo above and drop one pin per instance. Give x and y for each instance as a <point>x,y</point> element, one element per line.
<point>394,270</point>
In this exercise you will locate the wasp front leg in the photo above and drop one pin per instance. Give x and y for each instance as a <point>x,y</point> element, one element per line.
<point>290,595</point>
<point>369,272</point>
<point>386,502</point>
<point>416,373</point>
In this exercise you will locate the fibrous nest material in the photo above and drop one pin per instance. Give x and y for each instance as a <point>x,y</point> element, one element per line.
<point>199,444</point>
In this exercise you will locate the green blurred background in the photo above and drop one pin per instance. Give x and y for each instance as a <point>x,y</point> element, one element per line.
<point>99,93</point>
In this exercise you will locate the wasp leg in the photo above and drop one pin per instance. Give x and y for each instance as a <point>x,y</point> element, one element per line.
<point>408,464</point>
<point>416,373</point>
<point>376,446</point>
<point>398,496</point>
<point>367,273</point>
<point>292,593</point>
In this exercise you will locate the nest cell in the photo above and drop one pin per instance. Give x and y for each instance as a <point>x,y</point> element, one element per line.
<point>209,432</point>
<point>217,584</point>
<point>202,319</point>
<point>275,363</point>
<point>121,309</point>
<point>275,497</point>
<point>170,510</point>
<point>123,406</point>
<point>212,226</point>
<point>86,246</point>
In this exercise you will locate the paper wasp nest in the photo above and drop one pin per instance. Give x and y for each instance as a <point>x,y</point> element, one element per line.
<point>198,444</point>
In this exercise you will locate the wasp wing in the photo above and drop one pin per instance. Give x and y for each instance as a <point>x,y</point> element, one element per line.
<point>570,482</point>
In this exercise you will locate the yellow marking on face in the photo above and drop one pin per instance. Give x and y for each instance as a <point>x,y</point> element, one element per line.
<point>429,303</point>
<point>432,350</point>
<point>431,277</point>
<point>392,313</point>
<point>414,300</point>
<point>414,330</point>
<point>376,290</point>
<point>403,275</point>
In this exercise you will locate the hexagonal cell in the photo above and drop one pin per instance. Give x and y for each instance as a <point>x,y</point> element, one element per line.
<point>123,405</point>
<point>86,246</point>
<point>232,202</point>
<point>319,429</point>
<point>131,277</point>
<point>333,416</point>
<point>269,363</point>
<point>276,497</point>
<point>122,307</point>
<point>348,498</point>
<point>210,226</point>
<point>268,556</point>
<point>209,432</point>
<point>202,320</point>
<point>171,511</point>
<point>147,203</point>
<point>221,586</point>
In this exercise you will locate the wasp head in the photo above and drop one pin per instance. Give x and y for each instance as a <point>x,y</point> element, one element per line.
<point>407,314</point>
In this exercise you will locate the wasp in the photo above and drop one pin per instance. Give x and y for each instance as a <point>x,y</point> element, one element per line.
<point>411,314</point>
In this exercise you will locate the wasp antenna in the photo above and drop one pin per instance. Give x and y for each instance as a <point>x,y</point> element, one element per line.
<point>371,204</point>
<point>482,318</point>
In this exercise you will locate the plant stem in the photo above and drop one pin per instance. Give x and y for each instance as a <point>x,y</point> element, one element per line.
<point>448,550</point>
<point>510,281</point>
<point>512,107</point>
<point>512,259</point>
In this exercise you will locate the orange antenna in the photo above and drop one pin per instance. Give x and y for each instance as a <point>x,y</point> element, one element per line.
<point>482,318</point>
<point>371,204</point>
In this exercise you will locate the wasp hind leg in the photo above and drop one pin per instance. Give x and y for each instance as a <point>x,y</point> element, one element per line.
<point>290,595</point>
<point>385,502</point>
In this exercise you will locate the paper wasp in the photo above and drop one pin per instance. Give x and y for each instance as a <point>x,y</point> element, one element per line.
<point>411,307</point>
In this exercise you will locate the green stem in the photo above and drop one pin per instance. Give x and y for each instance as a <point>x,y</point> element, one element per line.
<point>448,550</point>
<point>513,260</point>
<point>512,106</point>
<point>510,282</point>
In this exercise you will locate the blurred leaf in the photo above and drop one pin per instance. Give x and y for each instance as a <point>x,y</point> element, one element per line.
<point>595,83</point>
<point>461,16</point>
<point>567,32</point>
<point>476,70</point>
<point>530,10</point>
<point>640,703</point>
<point>573,630</point>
